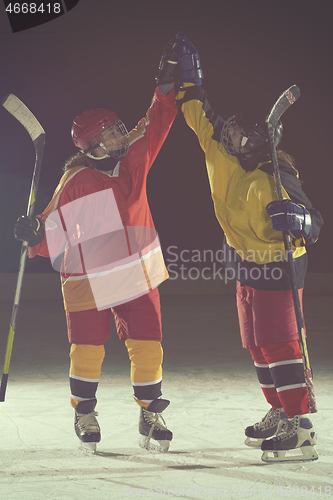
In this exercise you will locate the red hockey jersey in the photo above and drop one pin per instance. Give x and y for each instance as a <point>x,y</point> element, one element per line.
<point>99,231</point>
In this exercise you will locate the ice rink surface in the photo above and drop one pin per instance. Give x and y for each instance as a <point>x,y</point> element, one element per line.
<point>211,383</point>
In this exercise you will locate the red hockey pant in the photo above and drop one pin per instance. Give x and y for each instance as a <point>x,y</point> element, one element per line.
<point>268,329</point>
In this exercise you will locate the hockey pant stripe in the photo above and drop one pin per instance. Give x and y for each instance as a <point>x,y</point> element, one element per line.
<point>265,378</point>
<point>286,372</point>
<point>146,369</point>
<point>290,373</point>
<point>85,370</point>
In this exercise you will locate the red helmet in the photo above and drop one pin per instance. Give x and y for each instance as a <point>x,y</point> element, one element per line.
<point>87,128</point>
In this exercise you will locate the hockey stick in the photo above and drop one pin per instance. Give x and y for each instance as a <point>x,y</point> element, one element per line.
<point>19,110</point>
<point>282,104</point>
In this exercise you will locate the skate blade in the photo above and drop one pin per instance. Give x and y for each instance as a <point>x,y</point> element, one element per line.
<point>253,442</point>
<point>91,447</point>
<point>162,446</point>
<point>302,454</point>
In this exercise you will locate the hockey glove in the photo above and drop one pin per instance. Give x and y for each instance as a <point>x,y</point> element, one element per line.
<point>288,216</point>
<point>168,67</point>
<point>188,61</point>
<point>29,229</point>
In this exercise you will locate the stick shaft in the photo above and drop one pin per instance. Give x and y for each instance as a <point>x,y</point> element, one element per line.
<point>36,132</point>
<point>12,326</point>
<point>290,259</point>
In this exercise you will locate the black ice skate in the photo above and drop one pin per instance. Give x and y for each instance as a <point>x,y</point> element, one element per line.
<point>86,425</point>
<point>154,435</point>
<point>294,441</point>
<point>266,428</point>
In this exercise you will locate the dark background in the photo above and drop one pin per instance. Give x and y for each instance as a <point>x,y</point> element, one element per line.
<point>105,54</point>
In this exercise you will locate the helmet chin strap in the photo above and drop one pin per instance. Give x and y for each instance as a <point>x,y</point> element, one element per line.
<point>91,155</point>
<point>98,157</point>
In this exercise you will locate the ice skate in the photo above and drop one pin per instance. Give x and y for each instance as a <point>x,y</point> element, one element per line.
<point>260,431</point>
<point>86,426</point>
<point>154,435</point>
<point>294,441</point>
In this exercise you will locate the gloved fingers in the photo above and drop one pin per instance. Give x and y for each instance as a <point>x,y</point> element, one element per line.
<point>28,229</point>
<point>188,60</point>
<point>167,68</point>
<point>285,206</point>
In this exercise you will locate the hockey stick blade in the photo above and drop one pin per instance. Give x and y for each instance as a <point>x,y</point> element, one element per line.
<point>285,100</point>
<point>19,110</point>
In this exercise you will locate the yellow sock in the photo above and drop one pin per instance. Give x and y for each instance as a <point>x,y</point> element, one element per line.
<point>85,370</point>
<point>146,369</point>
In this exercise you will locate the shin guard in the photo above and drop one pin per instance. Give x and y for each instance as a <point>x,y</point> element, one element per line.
<point>146,369</point>
<point>264,377</point>
<point>287,371</point>
<point>85,370</point>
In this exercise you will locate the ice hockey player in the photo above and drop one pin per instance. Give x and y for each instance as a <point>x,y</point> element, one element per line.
<point>99,233</point>
<point>246,205</point>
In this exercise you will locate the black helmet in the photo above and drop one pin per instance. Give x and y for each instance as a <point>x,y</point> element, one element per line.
<point>241,138</point>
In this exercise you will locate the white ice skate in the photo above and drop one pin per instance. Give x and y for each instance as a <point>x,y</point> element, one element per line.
<point>294,441</point>
<point>86,426</point>
<point>267,428</point>
<point>154,435</point>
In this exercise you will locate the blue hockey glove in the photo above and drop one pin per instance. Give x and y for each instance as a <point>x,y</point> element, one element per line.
<point>29,229</point>
<point>288,216</point>
<point>168,67</point>
<point>188,60</point>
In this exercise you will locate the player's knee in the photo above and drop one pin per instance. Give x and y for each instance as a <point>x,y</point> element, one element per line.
<point>145,352</point>
<point>86,360</point>
<point>257,354</point>
<point>281,351</point>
